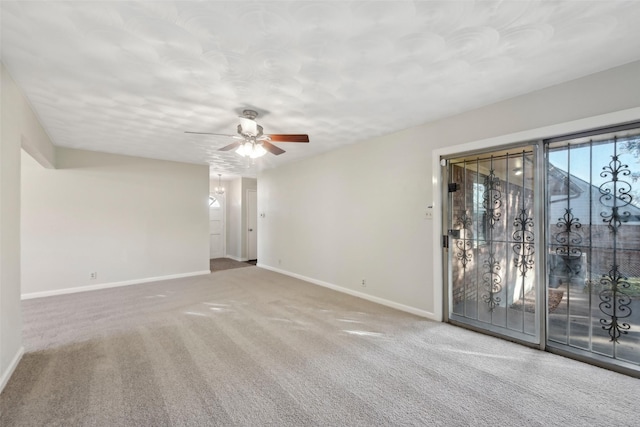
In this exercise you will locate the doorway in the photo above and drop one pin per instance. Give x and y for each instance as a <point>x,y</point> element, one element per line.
<point>542,244</point>
<point>216,226</point>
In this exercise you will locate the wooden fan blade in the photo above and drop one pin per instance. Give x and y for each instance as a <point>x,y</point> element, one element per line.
<point>209,133</point>
<point>272,148</point>
<point>230,146</point>
<point>289,138</point>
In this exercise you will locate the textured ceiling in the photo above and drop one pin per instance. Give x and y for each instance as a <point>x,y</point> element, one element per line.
<point>131,77</point>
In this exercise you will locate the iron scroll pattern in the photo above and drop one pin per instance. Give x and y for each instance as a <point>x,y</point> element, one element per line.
<point>615,194</point>
<point>615,304</point>
<point>492,198</point>
<point>491,278</point>
<point>524,246</point>
<point>569,238</point>
<point>465,253</point>
<point>617,198</point>
<point>492,281</point>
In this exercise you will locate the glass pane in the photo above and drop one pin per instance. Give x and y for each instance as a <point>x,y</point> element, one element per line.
<point>492,240</point>
<point>593,223</point>
<point>213,202</point>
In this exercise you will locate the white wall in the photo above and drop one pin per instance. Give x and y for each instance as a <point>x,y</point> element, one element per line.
<point>236,217</point>
<point>19,126</point>
<point>359,212</point>
<point>128,219</point>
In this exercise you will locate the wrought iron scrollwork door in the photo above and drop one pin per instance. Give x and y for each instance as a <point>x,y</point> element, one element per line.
<point>545,249</point>
<point>593,222</point>
<point>492,242</point>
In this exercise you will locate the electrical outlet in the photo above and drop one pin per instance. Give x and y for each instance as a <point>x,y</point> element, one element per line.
<point>364,283</point>
<point>279,262</point>
<point>93,276</point>
<point>430,212</point>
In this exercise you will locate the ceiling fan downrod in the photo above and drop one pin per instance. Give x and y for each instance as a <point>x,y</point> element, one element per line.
<point>249,114</point>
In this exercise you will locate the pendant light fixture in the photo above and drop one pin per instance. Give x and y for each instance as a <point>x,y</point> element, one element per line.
<point>219,190</point>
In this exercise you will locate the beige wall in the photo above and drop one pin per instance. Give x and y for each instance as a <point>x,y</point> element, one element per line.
<point>128,219</point>
<point>19,126</point>
<point>359,212</point>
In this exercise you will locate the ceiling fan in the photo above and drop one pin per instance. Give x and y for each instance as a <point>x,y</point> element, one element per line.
<point>251,141</point>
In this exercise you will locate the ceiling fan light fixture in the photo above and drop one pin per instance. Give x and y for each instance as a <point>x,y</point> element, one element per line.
<point>251,149</point>
<point>258,151</point>
<point>251,140</point>
<point>244,149</point>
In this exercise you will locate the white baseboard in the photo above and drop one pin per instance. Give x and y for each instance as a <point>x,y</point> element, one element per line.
<point>237,259</point>
<point>378,300</point>
<point>4,379</point>
<point>111,285</point>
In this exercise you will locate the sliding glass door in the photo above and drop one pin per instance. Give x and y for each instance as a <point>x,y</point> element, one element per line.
<point>491,241</point>
<point>593,245</point>
<point>545,248</point>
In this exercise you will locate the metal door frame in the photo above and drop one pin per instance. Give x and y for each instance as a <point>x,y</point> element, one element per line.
<point>536,136</point>
<point>539,339</point>
<point>542,236</point>
<point>589,357</point>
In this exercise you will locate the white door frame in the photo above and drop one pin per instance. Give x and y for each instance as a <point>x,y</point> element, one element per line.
<point>541,133</point>
<point>223,230</point>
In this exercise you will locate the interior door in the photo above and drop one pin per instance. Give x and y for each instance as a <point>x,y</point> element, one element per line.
<point>491,237</point>
<point>252,224</point>
<point>216,227</point>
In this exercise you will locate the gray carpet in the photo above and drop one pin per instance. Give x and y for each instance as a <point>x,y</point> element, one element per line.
<point>249,347</point>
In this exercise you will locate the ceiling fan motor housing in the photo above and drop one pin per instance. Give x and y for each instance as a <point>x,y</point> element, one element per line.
<point>251,131</point>
<point>250,114</point>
